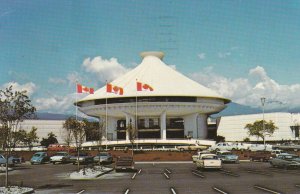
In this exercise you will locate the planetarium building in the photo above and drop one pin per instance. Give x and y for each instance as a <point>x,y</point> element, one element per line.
<point>155,103</point>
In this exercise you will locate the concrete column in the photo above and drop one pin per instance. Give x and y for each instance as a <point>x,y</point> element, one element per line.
<point>163,125</point>
<point>128,118</point>
<point>190,124</point>
<point>202,126</point>
<point>127,124</point>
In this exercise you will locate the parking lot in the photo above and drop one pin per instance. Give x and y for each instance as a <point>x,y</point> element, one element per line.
<point>246,177</point>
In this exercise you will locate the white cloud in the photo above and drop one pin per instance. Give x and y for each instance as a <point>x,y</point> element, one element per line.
<point>29,87</point>
<point>224,54</point>
<point>74,77</point>
<point>55,80</point>
<point>249,90</point>
<point>61,104</point>
<point>201,56</point>
<point>105,69</point>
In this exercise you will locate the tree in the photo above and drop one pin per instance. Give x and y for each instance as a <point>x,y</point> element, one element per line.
<point>31,137</point>
<point>261,129</point>
<point>132,134</point>
<point>19,137</point>
<point>77,129</point>
<point>50,140</point>
<point>15,106</point>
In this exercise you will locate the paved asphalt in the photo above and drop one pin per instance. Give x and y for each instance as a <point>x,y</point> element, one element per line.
<point>234,179</point>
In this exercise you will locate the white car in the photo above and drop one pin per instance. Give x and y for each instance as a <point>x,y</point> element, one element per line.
<point>60,157</point>
<point>208,161</point>
<point>260,147</point>
<point>275,153</point>
<point>195,157</point>
<point>222,146</point>
<point>240,146</point>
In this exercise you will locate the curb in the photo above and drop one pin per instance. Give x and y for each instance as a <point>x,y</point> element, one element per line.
<point>104,173</point>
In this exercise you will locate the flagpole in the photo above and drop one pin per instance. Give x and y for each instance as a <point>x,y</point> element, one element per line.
<point>106,117</point>
<point>76,107</point>
<point>136,121</point>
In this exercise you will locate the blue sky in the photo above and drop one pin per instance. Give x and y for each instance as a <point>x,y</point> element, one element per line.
<point>241,49</point>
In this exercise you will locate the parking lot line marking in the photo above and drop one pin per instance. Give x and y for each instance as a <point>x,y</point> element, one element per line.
<point>197,174</point>
<point>173,190</point>
<point>166,176</point>
<point>230,174</point>
<point>82,191</point>
<point>284,171</point>
<point>133,177</point>
<point>219,190</point>
<point>140,171</point>
<point>258,172</point>
<point>127,191</point>
<point>168,171</point>
<point>266,189</point>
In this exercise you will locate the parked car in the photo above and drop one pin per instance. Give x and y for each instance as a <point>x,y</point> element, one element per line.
<point>15,159</point>
<point>240,146</point>
<point>60,148</point>
<point>275,153</point>
<point>286,161</point>
<point>227,156</point>
<point>196,156</point>
<point>124,163</point>
<point>191,147</point>
<point>262,156</point>
<point>221,146</point>
<point>83,158</point>
<point>288,146</point>
<point>3,161</point>
<point>39,158</point>
<point>103,157</point>
<point>208,161</point>
<point>260,147</point>
<point>60,157</point>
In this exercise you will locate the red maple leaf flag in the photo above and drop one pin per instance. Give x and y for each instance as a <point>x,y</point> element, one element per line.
<point>84,89</point>
<point>143,87</point>
<point>114,89</point>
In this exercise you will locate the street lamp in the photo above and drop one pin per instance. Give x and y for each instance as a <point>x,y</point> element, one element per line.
<point>263,100</point>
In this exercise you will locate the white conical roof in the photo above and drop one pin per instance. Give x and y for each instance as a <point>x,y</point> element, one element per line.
<point>164,80</point>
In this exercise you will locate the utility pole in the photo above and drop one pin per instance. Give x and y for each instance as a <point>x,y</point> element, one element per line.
<point>263,100</point>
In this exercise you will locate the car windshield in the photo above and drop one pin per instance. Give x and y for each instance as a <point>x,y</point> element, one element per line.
<point>37,155</point>
<point>291,157</point>
<point>60,154</point>
<point>210,157</point>
<point>226,153</point>
<point>103,154</point>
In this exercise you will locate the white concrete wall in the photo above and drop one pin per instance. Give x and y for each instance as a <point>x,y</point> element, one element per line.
<point>233,127</point>
<point>44,127</point>
<point>112,126</point>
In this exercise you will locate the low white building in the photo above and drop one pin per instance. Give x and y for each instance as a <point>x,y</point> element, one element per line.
<point>44,127</point>
<point>233,127</point>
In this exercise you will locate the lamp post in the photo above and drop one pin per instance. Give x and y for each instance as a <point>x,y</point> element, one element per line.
<point>263,100</point>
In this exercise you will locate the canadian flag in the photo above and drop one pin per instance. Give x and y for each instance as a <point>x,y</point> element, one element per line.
<point>114,89</point>
<point>81,89</point>
<point>143,87</point>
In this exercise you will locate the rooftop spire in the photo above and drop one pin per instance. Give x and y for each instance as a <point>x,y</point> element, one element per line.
<point>157,54</point>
